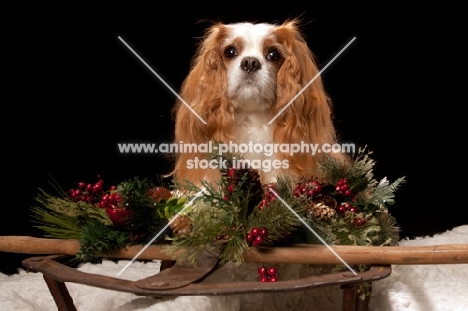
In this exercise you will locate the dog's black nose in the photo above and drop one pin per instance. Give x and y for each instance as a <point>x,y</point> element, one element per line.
<point>250,64</point>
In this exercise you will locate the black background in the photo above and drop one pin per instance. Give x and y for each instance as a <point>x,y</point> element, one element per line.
<point>74,91</point>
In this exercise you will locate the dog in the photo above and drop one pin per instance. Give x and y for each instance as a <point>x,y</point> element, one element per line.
<point>249,85</point>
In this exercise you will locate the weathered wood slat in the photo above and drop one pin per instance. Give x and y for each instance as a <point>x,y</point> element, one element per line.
<point>299,253</point>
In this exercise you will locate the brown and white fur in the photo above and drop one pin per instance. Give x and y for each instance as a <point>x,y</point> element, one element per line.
<point>241,77</point>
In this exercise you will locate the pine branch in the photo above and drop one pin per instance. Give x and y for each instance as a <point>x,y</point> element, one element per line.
<point>363,165</point>
<point>136,194</point>
<point>390,232</point>
<point>207,223</point>
<point>60,217</point>
<point>358,173</point>
<point>234,249</point>
<point>284,187</point>
<point>384,192</point>
<point>66,207</point>
<point>323,229</point>
<point>55,225</point>
<point>97,239</point>
<point>278,219</point>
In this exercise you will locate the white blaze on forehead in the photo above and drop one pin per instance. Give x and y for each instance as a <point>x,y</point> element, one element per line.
<point>252,36</point>
<point>251,90</point>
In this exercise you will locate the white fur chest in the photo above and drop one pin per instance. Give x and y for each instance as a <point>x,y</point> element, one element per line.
<point>253,134</point>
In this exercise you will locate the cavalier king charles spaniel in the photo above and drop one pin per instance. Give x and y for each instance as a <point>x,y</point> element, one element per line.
<point>242,76</point>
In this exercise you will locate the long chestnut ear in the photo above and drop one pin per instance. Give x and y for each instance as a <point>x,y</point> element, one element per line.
<point>308,118</point>
<point>204,92</point>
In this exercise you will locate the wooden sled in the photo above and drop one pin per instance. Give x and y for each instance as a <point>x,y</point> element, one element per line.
<point>56,275</point>
<point>180,279</point>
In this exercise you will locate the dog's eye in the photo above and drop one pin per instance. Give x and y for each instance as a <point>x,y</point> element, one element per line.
<point>230,52</point>
<point>273,55</point>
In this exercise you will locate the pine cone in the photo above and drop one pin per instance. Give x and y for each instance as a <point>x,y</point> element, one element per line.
<point>321,211</point>
<point>328,201</point>
<point>181,226</point>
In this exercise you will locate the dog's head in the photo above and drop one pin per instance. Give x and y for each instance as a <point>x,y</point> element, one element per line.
<point>251,68</point>
<point>252,57</point>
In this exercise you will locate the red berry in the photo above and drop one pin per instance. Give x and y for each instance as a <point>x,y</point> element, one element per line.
<point>262,271</point>
<point>317,186</point>
<point>105,198</point>
<point>254,231</point>
<point>249,237</point>
<point>89,188</point>
<point>264,278</point>
<point>230,188</point>
<point>341,209</point>
<point>271,271</point>
<point>115,198</point>
<point>231,172</point>
<point>342,187</point>
<point>257,241</point>
<point>263,232</point>
<point>271,196</point>
<point>97,188</point>
<point>360,221</point>
<point>273,279</point>
<point>119,216</point>
<point>353,209</point>
<point>82,185</point>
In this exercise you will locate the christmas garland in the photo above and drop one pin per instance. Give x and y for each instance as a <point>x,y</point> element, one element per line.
<point>103,220</point>
<point>346,205</point>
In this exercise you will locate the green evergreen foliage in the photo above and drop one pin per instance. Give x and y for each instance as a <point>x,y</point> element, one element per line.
<point>347,206</point>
